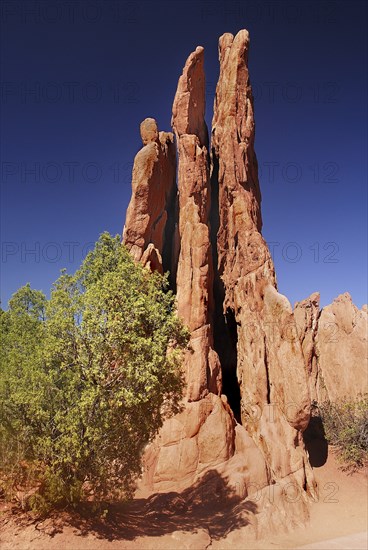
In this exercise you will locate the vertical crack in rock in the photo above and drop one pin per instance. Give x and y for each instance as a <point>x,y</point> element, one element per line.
<point>229,361</point>
<point>168,251</point>
<point>267,375</point>
<point>224,325</point>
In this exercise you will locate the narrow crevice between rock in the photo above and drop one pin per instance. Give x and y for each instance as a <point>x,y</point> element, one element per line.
<point>225,330</point>
<point>267,374</point>
<point>230,384</point>
<point>168,260</point>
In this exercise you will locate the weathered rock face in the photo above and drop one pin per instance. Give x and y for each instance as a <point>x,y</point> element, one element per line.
<point>306,315</point>
<point>269,365</point>
<point>247,398</point>
<point>203,435</point>
<point>341,347</point>
<point>335,346</point>
<point>153,186</point>
<point>194,281</point>
<point>193,442</point>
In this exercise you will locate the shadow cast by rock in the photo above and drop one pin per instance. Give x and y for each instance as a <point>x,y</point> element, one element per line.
<point>209,504</point>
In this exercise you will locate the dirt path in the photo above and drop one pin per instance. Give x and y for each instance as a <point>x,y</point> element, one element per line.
<point>357,541</point>
<point>338,520</point>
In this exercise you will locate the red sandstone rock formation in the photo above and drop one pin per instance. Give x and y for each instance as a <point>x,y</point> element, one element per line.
<point>203,436</point>
<point>153,183</point>
<point>341,348</point>
<point>335,346</point>
<point>306,315</point>
<point>270,366</point>
<point>194,280</point>
<point>241,327</point>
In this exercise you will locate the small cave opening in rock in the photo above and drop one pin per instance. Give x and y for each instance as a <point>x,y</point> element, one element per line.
<point>315,439</point>
<point>225,328</point>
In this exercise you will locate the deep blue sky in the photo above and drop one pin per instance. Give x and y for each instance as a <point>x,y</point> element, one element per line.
<point>78,78</point>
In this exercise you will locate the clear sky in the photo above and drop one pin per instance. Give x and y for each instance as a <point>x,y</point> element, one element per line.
<point>78,77</point>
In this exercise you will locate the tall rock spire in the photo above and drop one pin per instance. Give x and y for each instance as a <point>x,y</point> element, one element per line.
<point>194,280</point>
<point>153,186</point>
<point>233,131</point>
<point>270,364</point>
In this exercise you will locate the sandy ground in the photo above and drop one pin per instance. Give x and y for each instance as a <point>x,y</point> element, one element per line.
<point>338,520</point>
<point>341,512</point>
<point>356,541</point>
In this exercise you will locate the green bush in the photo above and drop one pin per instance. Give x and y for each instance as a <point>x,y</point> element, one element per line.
<point>87,379</point>
<point>346,427</point>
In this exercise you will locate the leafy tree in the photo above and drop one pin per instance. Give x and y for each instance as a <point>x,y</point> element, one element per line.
<point>21,382</point>
<point>90,384</point>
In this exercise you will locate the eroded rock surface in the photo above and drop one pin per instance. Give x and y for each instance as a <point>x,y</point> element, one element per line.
<point>335,346</point>
<point>194,280</point>
<point>153,186</point>
<point>269,365</point>
<point>203,435</point>
<point>306,315</point>
<point>341,347</point>
<point>247,397</point>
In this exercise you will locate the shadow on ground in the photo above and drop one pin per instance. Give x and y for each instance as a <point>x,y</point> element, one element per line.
<point>207,505</point>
